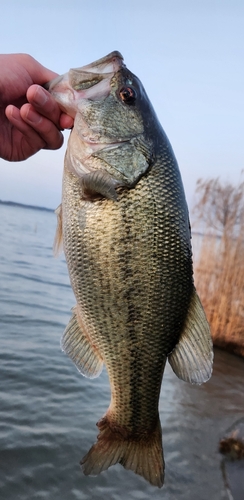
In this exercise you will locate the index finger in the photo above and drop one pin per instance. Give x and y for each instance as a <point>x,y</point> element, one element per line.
<point>43,103</point>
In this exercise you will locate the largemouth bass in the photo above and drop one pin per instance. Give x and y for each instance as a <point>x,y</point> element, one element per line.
<point>126,237</point>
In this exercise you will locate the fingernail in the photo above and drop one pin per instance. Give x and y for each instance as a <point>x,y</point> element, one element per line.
<point>13,111</point>
<point>33,117</point>
<point>40,97</point>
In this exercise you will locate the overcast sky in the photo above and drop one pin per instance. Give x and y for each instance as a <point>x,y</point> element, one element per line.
<point>189,55</point>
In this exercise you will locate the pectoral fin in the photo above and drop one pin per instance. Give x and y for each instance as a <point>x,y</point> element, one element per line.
<point>78,346</point>
<point>58,239</point>
<point>99,182</point>
<point>192,358</point>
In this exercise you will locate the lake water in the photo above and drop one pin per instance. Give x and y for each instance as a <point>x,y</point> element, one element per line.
<point>48,411</point>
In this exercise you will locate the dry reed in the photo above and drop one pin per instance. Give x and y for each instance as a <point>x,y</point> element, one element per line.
<point>219,263</point>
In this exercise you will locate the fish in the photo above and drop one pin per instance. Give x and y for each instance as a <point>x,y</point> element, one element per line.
<point>124,227</point>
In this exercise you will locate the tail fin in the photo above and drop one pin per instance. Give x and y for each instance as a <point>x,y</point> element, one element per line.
<point>143,456</point>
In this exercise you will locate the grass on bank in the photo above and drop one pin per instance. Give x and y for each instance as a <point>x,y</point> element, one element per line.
<point>219,266</point>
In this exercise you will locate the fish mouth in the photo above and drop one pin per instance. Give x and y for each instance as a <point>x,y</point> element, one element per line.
<point>52,83</point>
<point>87,82</point>
<point>108,64</point>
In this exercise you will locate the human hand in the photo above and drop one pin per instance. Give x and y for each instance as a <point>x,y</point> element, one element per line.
<point>30,118</point>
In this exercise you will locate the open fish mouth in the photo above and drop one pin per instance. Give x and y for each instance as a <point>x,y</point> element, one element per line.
<point>88,82</point>
<point>108,64</point>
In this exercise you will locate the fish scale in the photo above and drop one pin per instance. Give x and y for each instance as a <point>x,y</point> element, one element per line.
<point>116,306</point>
<point>126,236</point>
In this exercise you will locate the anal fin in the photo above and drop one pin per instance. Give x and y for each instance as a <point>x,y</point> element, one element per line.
<point>77,345</point>
<point>192,358</point>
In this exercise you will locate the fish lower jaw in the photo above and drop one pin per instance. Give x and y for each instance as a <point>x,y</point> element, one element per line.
<point>110,63</point>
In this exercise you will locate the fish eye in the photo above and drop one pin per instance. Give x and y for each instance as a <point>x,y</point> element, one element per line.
<point>128,95</point>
